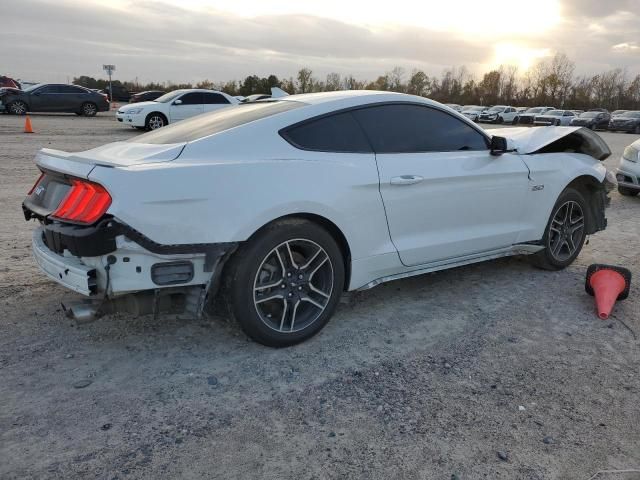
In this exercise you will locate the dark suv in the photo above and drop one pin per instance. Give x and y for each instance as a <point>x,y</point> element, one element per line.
<point>53,97</point>
<point>593,119</point>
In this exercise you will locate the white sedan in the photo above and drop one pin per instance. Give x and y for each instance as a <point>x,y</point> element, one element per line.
<point>173,107</point>
<point>276,207</point>
<point>499,114</point>
<point>555,117</point>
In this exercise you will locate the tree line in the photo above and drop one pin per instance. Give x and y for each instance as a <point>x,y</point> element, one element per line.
<point>550,82</point>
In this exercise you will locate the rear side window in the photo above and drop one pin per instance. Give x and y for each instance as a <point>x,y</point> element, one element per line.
<point>333,133</point>
<point>70,89</point>
<point>214,99</point>
<point>406,128</point>
<point>215,122</point>
<point>193,98</point>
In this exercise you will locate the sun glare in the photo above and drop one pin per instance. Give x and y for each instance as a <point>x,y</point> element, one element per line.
<point>519,55</point>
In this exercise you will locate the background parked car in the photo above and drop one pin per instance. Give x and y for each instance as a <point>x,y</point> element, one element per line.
<point>498,114</point>
<point>529,116</point>
<point>172,107</point>
<point>593,119</point>
<point>146,96</point>
<point>628,173</point>
<point>472,112</point>
<point>626,122</point>
<point>615,113</point>
<point>53,97</point>
<point>120,94</point>
<point>555,117</point>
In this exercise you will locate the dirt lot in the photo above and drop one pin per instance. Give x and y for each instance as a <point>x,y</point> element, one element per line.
<point>432,377</point>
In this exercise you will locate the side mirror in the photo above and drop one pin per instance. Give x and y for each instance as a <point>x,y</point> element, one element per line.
<point>178,102</point>
<point>498,145</point>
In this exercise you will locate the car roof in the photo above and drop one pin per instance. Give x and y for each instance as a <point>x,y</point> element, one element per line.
<point>357,97</point>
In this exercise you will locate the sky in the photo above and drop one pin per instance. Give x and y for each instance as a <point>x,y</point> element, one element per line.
<point>193,40</point>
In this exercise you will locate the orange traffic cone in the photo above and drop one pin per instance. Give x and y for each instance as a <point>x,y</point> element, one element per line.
<point>608,284</point>
<point>27,125</point>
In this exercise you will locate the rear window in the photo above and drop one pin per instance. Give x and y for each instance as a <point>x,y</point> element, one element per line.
<point>334,133</point>
<point>215,122</point>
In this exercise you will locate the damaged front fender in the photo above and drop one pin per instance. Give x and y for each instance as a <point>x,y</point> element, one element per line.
<point>555,139</point>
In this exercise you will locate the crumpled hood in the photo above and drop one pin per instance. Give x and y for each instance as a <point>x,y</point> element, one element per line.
<point>530,140</point>
<point>9,90</point>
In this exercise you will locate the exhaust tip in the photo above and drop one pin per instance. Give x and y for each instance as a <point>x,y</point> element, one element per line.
<point>82,312</point>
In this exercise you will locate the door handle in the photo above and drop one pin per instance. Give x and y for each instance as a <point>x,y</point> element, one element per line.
<point>406,180</point>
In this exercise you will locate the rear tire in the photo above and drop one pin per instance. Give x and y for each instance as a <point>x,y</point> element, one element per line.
<point>284,284</point>
<point>514,121</point>
<point>565,233</point>
<point>17,108</point>
<point>627,192</point>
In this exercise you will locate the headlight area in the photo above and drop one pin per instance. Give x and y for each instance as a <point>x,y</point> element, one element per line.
<point>631,154</point>
<point>132,111</point>
<point>120,269</point>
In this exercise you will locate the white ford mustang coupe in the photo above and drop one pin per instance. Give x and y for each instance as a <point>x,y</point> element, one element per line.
<point>276,207</point>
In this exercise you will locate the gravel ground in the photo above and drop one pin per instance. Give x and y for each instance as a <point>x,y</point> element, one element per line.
<point>495,370</point>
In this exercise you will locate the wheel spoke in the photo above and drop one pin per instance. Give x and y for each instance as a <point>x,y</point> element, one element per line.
<point>277,283</point>
<point>284,314</point>
<point>576,227</point>
<point>293,315</point>
<point>277,296</point>
<point>293,262</point>
<point>312,302</point>
<point>318,291</point>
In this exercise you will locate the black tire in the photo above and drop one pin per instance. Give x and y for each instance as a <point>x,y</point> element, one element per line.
<point>17,107</point>
<point>557,122</point>
<point>627,192</point>
<point>89,109</point>
<point>552,258</point>
<point>155,120</point>
<point>499,120</point>
<point>259,310</point>
<point>636,130</point>
<point>515,121</point>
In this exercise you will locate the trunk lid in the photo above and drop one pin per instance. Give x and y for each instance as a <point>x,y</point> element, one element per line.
<point>554,139</point>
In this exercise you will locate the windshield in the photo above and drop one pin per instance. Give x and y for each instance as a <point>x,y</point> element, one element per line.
<point>535,110</point>
<point>589,114</point>
<point>477,109</point>
<point>497,108</point>
<point>619,112</point>
<point>634,114</point>
<point>555,113</point>
<point>33,87</point>
<point>216,122</point>
<point>168,97</point>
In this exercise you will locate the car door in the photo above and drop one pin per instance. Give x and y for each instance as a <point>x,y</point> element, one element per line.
<point>214,101</point>
<point>509,114</point>
<point>45,99</point>
<point>71,98</point>
<point>186,106</point>
<point>444,194</point>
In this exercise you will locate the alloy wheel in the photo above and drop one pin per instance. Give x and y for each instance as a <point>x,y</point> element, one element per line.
<point>89,109</point>
<point>293,285</point>
<point>156,121</point>
<point>18,108</point>
<point>566,231</point>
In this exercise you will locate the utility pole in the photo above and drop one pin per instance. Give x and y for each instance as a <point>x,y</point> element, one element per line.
<point>110,69</point>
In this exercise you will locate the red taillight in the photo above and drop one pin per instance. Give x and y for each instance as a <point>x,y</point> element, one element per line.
<point>35,184</point>
<point>85,203</point>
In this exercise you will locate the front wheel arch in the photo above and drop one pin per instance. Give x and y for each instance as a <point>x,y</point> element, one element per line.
<point>592,190</point>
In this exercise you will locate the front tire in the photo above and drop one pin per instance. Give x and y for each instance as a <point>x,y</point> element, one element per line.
<point>565,233</point>
<point>17,108</point>
<point>284,284</point>
<point>155,120</point>
<point>89,109</point>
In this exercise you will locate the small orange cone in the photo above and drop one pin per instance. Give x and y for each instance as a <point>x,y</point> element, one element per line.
<point>608,284</point>
<point>27,125</point>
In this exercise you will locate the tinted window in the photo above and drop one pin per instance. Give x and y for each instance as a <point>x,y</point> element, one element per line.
<point>48,89</point>
<point>335,133</point>
<point>414,128</point>
<point>215,122</point>
<point>70,89</point>
<point>193,98</point>
<point>214,99</point>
